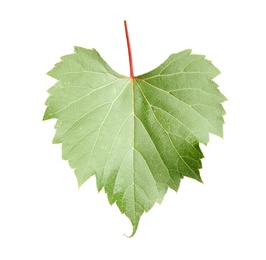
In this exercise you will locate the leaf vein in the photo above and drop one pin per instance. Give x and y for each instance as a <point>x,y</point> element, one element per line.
<point>74,101</point>
<point>98,133</point>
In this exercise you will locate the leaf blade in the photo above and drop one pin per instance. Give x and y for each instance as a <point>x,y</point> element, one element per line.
<point>138,136</point>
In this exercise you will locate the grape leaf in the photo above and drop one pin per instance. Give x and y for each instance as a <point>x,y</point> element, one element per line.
<point>139,135</point>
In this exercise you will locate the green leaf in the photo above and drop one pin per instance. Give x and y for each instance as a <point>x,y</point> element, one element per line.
<point>137,136</point>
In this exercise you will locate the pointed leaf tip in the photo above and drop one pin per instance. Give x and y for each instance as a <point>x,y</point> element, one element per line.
<point>134,230</point>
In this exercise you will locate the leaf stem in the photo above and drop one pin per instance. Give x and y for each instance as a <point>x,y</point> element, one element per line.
<point>129,52</point>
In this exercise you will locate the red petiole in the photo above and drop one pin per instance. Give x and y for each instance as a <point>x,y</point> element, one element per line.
<point>129,52</point>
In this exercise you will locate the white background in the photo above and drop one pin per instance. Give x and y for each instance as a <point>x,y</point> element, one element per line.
<point>43,215</point>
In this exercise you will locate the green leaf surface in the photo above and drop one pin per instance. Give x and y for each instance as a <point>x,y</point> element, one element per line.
<point>137,136</point>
